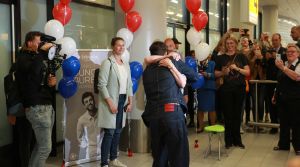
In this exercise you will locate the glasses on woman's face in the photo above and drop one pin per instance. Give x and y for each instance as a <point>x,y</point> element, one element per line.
<point>291,51</point>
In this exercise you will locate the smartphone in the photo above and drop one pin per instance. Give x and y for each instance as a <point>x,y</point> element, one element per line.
<point>278,56</point>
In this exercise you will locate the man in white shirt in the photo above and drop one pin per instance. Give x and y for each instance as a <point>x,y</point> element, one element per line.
<point>88,133</point>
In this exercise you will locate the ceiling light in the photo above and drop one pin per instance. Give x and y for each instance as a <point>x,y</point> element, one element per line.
<point>174,1</point>
<point>179,15</point>
<point>80,26</point>
<point>169,12</point>
<point>228,4</point>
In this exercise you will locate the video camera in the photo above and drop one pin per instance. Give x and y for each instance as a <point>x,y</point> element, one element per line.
<point>54,60</point>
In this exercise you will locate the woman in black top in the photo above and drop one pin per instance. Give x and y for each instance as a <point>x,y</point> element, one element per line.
<point>231,68</point>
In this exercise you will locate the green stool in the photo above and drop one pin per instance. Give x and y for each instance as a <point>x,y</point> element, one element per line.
<point>214,129</point>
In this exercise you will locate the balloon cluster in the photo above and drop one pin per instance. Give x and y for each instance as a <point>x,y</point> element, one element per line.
<point>67,86</point>
<point>133,21</point>
<point>193,35</point>
<point>62,14</point>
<point>191,62</point>
<point>136,69</point>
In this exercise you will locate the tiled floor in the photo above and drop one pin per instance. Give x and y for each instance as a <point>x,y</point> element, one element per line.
<point>258,153</point>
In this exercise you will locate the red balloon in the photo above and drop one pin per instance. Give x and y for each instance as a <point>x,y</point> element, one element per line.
<point>200,20</point>
<point>62,13</point>
<point>193,5</point>
<point>66,2</point>
<point>133,21</point>
<point>126,5</point>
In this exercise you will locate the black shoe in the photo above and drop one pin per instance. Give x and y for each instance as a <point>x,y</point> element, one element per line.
<point>277,148</point>
<point>297,153</point>
<point>273,131</point>
<point>227,146</point>
<point>241,145</point>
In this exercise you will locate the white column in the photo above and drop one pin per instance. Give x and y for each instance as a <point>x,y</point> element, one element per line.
<point>153,27</point>
<point>270,19</point>
<point>234,17</point>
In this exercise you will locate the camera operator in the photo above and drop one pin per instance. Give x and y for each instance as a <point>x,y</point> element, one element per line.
<point>35,85</point>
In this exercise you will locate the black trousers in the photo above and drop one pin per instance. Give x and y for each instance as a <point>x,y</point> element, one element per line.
<point>169,142</point>
<point>23,142</point>
<point>289,120</point>
<point>232,102</point>
<point>269,106</point>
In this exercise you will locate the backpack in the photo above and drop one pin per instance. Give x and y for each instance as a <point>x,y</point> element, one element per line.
<point>13,98</point>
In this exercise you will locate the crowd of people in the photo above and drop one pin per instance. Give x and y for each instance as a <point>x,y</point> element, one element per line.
<point>227,93</point>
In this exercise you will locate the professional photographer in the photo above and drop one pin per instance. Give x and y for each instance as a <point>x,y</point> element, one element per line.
<point>35,85</point>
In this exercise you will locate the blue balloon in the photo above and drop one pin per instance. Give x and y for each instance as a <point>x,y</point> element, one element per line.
<point>199,83</point>
<point>190,62</point>
<point>136,70</point>
<point>67,87</point>
<point>71,67</point>
<point>134,85</point>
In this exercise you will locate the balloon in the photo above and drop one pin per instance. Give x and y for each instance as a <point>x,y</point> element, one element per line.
<point>133,21</point>
<point>67,87</point>
<point>70,67</point>
<point>193,5</point>
<point>136,70</point>
<point>65,2</point>
<point>126,5</point>
<point>126,35</point>
<point>62,13</point>
<point>134,85</point>
<point>202,51</point>
<point>199,20</point>
<point>68,46</point>
<point>191,62</point>
<point>199,83</point>
<point>193,36</point>
<point>125,56</point>
<point>54,28</point>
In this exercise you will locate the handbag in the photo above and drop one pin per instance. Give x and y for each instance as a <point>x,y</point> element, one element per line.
<point>220,80</point>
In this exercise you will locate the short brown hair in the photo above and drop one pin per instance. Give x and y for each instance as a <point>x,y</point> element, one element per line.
<point>114,40</point>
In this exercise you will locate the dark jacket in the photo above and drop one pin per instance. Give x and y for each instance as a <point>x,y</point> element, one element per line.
<point>31,77</point>
<point>288,89</point>
<point>161,88</point>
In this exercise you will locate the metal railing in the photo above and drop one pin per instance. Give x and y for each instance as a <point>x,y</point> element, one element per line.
<point>256,123</point>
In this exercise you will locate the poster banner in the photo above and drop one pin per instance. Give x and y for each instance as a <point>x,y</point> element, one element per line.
<point>82,135</point>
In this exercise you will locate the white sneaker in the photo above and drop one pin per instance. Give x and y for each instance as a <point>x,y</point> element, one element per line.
<point>116,163</point>
<point>105,166</point>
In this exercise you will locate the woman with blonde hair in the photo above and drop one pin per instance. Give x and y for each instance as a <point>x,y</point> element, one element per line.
<point>232,66</point>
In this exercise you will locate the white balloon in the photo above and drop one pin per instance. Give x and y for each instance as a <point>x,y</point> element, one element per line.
<point>68,46</point>
<point>126,56</point>
<point>54,28</point>
<point>126,35</point>
<point>194,37</point>
<point>202,51</point>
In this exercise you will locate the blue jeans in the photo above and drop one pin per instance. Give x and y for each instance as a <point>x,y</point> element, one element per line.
<point>111,137</point>
<point>41,118</point>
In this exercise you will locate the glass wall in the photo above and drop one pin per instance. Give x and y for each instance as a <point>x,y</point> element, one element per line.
<point>5,61</point>
<point>175,11</point>
<point>33,16</point>
<point>180,35</point>
<point>214,23</point>
<point>91,27</point>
